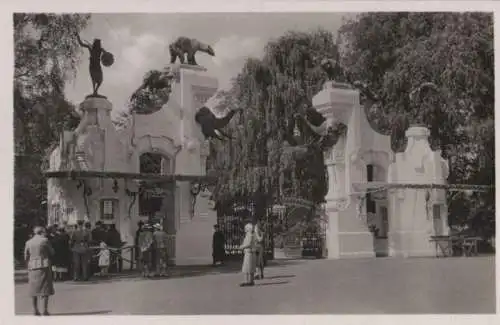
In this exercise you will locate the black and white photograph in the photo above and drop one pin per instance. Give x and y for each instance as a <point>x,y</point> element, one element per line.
<point>252,163</point>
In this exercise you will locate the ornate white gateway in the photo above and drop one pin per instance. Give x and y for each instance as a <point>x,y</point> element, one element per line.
<point>95,171</point>
<point>367,215</point>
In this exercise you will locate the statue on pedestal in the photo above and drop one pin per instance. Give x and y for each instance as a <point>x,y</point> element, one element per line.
<point>97,55</point>
<point>184,45</point>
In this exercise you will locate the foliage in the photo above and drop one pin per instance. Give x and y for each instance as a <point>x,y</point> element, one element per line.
<point>270,91</point>
<point>46,55</point>
<point>393,53</point>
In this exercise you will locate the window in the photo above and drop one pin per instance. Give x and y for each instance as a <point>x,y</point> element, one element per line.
<point>108,209</point>
<point>67,213</point>
<point>369,173</point>
<point>371,206</point>
<point>438,225</point>
<point>384,226</point>
<point>56,213</point>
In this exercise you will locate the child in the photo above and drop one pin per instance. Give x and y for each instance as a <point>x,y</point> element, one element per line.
<point>104,258</point>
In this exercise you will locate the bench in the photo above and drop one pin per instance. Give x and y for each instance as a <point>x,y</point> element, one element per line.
<point>446,245</point>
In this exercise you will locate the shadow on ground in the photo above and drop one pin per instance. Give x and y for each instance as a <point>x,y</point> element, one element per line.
<point>83,313</point>
<point>183,271</point>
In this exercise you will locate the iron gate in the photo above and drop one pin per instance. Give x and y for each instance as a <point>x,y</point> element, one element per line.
<point>232,217</point>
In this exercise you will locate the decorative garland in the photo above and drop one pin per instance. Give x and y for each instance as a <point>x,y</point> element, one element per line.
<point>429,187</point>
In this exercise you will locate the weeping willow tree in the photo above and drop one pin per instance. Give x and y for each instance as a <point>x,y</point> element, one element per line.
<point>270,91</point>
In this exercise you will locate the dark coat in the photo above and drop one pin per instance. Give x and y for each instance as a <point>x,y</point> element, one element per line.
<point>218,242</point>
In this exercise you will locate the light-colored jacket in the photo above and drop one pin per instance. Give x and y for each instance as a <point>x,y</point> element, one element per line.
<point>248,245</point>
<point>161,239</point>
<point>37,252</point>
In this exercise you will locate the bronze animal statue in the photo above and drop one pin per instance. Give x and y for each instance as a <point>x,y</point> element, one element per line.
<point>154,91</point>
<point>188,46</point>
<point>97,53</point>
<point>325,136</point>
<point>211,126</point>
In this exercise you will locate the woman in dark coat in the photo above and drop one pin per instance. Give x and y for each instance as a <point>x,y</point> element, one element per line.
<point>218,243</point>
<point>37,254</point>
<point>62,254</point>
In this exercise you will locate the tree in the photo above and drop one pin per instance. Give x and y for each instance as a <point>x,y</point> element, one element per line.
<point>45,56</point>
<point>270,91</point>
<point>394,53</point>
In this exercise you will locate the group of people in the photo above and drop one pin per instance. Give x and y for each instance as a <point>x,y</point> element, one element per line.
<point>152,249</point>
<point>253,254</point>
<point>50,254</point>
<point>76,250</point>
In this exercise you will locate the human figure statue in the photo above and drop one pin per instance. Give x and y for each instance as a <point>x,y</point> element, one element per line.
<point>97,53</point>
<point>185,45</point>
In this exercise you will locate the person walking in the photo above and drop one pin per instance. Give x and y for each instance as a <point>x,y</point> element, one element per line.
<point>160,239</point>
<point>218,243</point>
<point>37,254</point>
<point>248,247</point>
<point>259,249</point>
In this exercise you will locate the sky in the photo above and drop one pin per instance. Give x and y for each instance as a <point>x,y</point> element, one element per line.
<point>139,43</point>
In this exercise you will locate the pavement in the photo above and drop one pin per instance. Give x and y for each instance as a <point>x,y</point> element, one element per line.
<point>358,286</point>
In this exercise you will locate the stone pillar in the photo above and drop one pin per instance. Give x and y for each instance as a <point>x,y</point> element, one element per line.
<point>196,87</point>
<point>193,88</point>
<point>347,234</point>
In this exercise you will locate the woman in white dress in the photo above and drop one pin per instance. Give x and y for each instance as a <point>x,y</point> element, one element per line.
<point>248,247</point>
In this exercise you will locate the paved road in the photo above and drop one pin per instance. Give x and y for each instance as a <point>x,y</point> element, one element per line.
<point>364,286</point>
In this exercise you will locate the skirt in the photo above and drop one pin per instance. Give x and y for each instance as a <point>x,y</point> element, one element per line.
<point>248,262</point>
<point>40,282</point>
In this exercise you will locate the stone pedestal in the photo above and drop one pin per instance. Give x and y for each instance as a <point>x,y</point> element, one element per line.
<point>419,213</point>
<point>348,234</point>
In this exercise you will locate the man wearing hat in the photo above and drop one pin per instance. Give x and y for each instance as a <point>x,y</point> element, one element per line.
<point>160,238</point>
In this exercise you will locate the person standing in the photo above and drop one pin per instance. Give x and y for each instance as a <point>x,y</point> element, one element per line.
<point>62,254</point>
<point>80,241</point>
<point>259,249</point>
<point>103,258</point>
<point>160,239</point>
<point>37,255</point>
<point>145,244</point>
<point>137,254</point>
<point>114,243</point>
<point>248,247</point>
<point>98,234</point>
<point>218,243</point>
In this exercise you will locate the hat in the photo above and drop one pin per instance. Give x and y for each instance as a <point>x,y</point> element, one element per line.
<point>157,226</point>
<point>248,227</point>
<point>38,230</point>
